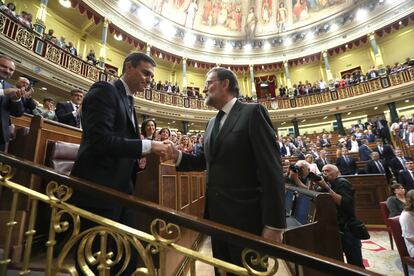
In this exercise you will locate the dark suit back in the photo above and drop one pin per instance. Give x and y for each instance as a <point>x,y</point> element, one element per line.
<point>396,166</point>
<point>319,162</point>
<point>64,113</point>
<point>364,153</point>
<point>110,144</point>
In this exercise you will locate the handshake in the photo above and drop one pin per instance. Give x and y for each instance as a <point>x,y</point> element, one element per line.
<point>17,93</point>
<point>166,150</point>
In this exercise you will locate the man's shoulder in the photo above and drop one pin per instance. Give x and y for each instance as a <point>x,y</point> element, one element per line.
<point>101,87</point>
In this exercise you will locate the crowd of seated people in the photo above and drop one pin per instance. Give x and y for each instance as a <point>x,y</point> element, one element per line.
<point>356,77</point>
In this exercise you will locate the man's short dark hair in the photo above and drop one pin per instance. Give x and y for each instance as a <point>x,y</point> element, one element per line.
<point>74,91</point>
<point>47,100</point>
<point>135,58</point>
<point>226,74</point>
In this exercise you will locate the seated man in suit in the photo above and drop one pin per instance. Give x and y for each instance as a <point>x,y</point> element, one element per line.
<point>287,150</point>
<point>346,163</point>
<point>376,166</point>
<point>364,151</point>
<point>406,177</point>
<point>322,160</point>
<point>69,112</point>
<point>325,142</point>
<point>353,144</point>
<point>10,100</point>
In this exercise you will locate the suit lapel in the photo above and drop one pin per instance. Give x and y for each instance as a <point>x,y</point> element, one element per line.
<point>207,138</point>
<point>122,93</point>
<point>228,125</point>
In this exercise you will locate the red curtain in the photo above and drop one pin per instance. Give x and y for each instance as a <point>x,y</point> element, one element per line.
<point>270,80</point>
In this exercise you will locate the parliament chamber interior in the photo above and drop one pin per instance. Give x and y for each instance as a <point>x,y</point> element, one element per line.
<point>331,87</point>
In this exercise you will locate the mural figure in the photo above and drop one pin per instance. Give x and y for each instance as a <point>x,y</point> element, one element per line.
<point>158,5</point>
<point>281,17</point>
<point>222,19</point>
<point>234,23</point>
<point>251,22</point>
<point>191,12</point>
<point>266,10</point>
<point>300,10</point>
<point>178,3</point>
<point>208,6</point>
<point>216,12</point>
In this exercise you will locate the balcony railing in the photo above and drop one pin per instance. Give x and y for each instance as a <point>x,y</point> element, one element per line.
<point>165,232</point>
<point>12,29</point>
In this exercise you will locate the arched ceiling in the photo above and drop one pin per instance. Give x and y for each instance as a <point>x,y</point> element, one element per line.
<point>241,32</point>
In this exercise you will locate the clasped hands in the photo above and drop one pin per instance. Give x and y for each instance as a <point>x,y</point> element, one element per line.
<point>166,150</point>
<point>15,93</point>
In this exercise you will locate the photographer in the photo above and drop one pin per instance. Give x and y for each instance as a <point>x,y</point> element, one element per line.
<point>343,195</point>
<point>298,174</point>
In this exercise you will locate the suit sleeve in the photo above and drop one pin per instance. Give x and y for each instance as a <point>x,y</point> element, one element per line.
<point>16,108</point>
<point>268,168</point>
<point>63,115</point>
<point>191,162</point>
<point>99,117</point>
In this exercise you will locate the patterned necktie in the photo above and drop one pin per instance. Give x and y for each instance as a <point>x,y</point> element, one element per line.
<point>131,108</point>
<point>216,127</point>
<point>380,167</point>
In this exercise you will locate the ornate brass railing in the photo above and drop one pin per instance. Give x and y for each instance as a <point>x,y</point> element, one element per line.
<point>65,218</point>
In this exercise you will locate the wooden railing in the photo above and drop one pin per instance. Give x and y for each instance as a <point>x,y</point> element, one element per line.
<point>60,189</point>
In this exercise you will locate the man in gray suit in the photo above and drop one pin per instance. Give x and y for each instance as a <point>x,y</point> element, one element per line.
<point>10,100</point>
<point>245,187</point>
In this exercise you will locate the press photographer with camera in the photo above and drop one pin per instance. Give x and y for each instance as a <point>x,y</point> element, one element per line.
<point>351,229</point>
<point>297,174</point>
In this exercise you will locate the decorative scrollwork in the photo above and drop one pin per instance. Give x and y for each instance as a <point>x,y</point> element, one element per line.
<point>252,260</point>
<point>153,248</point>
<point>53,54</point>
<point>172,231</point>
<point>25,38</point>
<point>58,192</point>
<point>75,65</point>
<point>101,249</point>
<point>2,22</point>
<point>93,73</point>
<point>6,171</point>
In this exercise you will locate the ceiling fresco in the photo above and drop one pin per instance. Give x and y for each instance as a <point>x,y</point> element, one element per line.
<point>246,18</point>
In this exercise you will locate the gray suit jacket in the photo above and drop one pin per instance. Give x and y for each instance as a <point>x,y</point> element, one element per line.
<point>245,187</point>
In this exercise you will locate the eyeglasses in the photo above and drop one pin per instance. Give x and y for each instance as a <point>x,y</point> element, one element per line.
<point>210,82</point>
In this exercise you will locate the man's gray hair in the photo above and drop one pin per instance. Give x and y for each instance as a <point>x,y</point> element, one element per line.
<point>302,163</point>
<point>332,167</point>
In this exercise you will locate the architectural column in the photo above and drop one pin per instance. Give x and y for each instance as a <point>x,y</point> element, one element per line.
<point>254,95</point>
<point>185,127</point>
<point>327,66</point>
<point>375,51</point>
<point>393,112</point>
<point>295,123</point>
<point>341,129</point>
<point>287,75</point>
<point>102,54</point>
<point>39,25</point>
<point>148,49</point>
<point>184,76</point>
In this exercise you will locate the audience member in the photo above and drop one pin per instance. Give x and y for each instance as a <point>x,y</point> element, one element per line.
<point>61,42</point>
<point>164,134</point>
<point>69,112</point>
<point>353,144</point>
<point>174,139</point>
<point>312,166</point>
<point>71,49</point>
<point>406,177</point>
<point>398,163</point>
<point>10,100</point>
<point>325,141</point>
<point>298,174</point>
<point>396,201</point>
<point>49,35</point>
<point>342,193</point>
<point>47,111</point>
<point>91,57</point>
<point>185,145</point>
<point>364,151</point>
<point>346,163</point>
<point>148,128</point>
<point>322,160</point>
<point>407,223</point>
<point>9,8</point>
<point>375,165</point>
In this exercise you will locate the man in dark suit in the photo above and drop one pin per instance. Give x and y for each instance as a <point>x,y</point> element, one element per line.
<point>397,164</point>
<point>376,166</point>
<point>111,144</point>
<point>287,149</point>
<point>10,100</point>
<point>406,178</point>
<point>69,112</point>
<point>364,151</point>
<point>322,160</point>
<point>28,103</point>
<point>379,148</point>
<point>346,164</point>
<point>245,187</point>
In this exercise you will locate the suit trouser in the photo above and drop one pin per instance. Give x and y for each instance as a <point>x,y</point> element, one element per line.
<point>352,249</point>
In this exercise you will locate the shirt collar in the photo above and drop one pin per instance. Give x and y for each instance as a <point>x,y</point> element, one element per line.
<point>127,90</point>
<point>229,105</point>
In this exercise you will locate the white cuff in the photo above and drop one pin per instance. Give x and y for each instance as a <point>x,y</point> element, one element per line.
<point>146,147</point>
<point>180,156</point>
<point>1,92</point>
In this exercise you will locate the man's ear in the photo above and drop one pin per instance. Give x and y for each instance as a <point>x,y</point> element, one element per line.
<point>226,83</point>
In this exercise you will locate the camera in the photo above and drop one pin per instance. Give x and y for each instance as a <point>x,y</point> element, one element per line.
<point>314,177</point>
<point>29,87</point>
<point>294,168</point>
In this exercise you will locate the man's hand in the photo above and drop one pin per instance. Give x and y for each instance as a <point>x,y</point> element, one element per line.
<point>322,184</point>
<point>165,150</point>
<point>272,234</point>
<point>172,150</point>
<point>13,93</point>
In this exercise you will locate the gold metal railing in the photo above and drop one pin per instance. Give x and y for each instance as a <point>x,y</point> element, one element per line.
<point>116,241</point>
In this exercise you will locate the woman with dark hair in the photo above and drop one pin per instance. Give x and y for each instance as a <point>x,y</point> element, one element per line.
<point>407,223</point>
<point>164,134</point>
<point>396,201</point>
<point>148,128</point>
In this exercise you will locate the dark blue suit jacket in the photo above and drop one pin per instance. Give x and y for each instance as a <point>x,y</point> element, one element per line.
<point>7,108</point>
<point>64,113</point>
<point>364,153</point>
<point>405,178</point>
<point>346,168</point>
